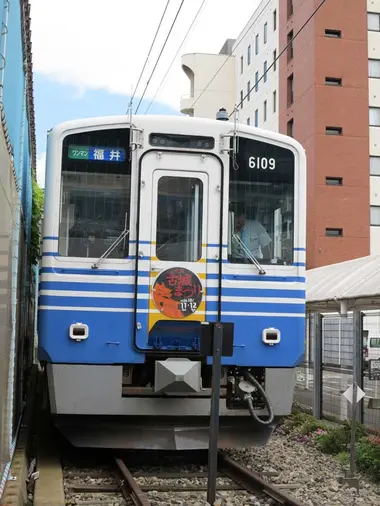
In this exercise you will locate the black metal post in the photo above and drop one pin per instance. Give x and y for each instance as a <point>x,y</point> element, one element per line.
<point>353,430</point>
<point>214,413</point>
<point>318,365</point>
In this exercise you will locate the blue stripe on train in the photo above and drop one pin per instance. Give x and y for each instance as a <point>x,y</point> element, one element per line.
<point>130,287</point>
<point>131,272</point>
<point>118,303</point>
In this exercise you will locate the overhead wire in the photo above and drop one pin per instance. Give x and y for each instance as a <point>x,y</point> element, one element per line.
<point>175,56</point>
<point>278,57</point>
<point>149,53</point>
<point>229,56</point>
<point>159,56</point>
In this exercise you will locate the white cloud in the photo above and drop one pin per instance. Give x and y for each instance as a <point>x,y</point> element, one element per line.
<point>41,163</point>
<point>103,44</point>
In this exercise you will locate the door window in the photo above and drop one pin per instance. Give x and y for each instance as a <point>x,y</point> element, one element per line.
<point>179,219</point>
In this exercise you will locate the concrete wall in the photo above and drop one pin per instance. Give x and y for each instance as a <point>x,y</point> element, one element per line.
<point>245,71</point>
<point>204,99</point>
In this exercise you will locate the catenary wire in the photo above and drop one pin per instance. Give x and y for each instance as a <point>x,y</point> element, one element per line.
<point>149,53</point>
<point>229,56</point>
<point>179,48</point>
<point>159,56</point>
<point>278,57</point>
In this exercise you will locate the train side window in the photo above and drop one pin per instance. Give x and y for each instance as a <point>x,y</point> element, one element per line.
<point>261,206</point>
<point>179,219</point>
<point>95,193</point>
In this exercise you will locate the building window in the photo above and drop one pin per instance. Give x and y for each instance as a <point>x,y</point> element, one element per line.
<point>290,51</point>
<point>290,8</point>
<point>374,165</point>
<point>248,121</point>
<point>375,216</point>
<point>373,22</point>
<point>330,130</point>
<point>274,20</point>
<point>333,81</point>
<point>290,128</point>
<point>265,33</point>
<point>95,181</point>
<point>256,118</point>
<point>256,82</point>
<point>182,229</point>
<point>249,55</point>
<point>265,110</point>
<point>241,99</point>
<point>274,60</point>
<point>374,116</point>
<point>290,90</point>
<point>265,71</point>
<point>374,68</point>
<point>249,91</point>
<point>241,64</point>
<point>334,181</point>
<point>257,44</point>
<point>334,34</point>
<point>334,232</point>
<point>274,101</point>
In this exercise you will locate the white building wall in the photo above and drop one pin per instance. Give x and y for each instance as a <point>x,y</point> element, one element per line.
<point>373,6</point>
<point>202,100</point>
<point>245,71</point>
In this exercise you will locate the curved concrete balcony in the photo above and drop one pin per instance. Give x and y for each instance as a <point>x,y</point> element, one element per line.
<point>186,105</point>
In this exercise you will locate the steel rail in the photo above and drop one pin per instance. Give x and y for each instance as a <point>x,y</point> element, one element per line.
<point>252,481</point>
<point>133,488</point>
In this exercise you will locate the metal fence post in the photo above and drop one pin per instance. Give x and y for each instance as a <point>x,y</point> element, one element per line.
<point>357,363</point>
<point>317,383</point>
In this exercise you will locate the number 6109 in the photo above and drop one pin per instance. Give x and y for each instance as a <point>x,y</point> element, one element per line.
<point>261,163</point>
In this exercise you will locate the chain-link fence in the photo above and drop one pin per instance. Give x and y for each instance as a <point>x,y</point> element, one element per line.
<point>321,391</point>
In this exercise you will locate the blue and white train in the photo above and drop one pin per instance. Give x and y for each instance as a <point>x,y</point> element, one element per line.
<point>155,227</point>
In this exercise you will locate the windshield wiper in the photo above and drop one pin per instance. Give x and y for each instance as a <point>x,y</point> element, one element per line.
<point>114,245</point>
<point>249,254</point>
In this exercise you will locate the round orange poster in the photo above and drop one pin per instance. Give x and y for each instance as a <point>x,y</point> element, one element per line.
<point>177,292</point>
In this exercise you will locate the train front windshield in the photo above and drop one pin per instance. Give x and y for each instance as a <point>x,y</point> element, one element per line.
<point>261,204</point>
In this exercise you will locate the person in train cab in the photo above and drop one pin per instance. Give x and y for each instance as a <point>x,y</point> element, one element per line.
<point>253,235</point>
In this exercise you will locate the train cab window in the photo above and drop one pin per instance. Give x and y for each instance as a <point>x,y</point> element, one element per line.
<point>95,193</point>
<point>261,206</point>
<point>179,219</point>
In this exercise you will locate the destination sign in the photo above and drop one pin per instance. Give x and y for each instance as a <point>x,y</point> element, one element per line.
<point>96,153</point>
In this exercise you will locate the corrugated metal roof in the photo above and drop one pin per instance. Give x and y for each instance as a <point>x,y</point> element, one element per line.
<point>357,281</point>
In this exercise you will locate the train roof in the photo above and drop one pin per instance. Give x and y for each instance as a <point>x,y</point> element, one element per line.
<point>174,123</point>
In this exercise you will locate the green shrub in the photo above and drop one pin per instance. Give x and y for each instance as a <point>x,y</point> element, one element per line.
<point>344,458</point>
<point>338,439</point>
<point>334,442</point>
<point>313,425</point>
<point>296,420</point>
<point>368,457</point>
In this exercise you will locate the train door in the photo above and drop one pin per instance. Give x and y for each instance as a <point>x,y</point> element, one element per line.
<point>178,248</point>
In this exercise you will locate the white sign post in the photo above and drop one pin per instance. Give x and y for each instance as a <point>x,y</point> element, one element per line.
<point>353,394</point>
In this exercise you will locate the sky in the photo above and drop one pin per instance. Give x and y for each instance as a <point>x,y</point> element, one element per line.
<point>88,55</point>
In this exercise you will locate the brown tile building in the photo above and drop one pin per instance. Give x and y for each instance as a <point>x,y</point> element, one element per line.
<point>325,92</point>
<point>323,103</point>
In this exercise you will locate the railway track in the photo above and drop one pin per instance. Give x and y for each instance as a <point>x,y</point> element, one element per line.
<point>125,481</point>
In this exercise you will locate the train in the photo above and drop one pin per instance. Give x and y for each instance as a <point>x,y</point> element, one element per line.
<point>157,228</point>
